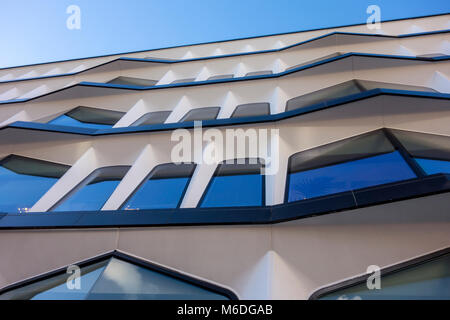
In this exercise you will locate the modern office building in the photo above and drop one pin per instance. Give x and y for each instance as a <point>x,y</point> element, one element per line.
<point>339,165</point>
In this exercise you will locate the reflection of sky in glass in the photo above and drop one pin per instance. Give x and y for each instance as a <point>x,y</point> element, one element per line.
<point>64,120</point>
<point>123,280</point>
<point>113,279</point>
<point>19,192</point>
<point>434,166</point>
<point>348,176</point>
<point>91,197</point>
<point>430,280</point>
<point>158,194</point>
<point>62,292</point>
<point>232,191</point>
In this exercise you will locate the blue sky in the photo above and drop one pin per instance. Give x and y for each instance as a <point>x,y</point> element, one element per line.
<point>35,31</point>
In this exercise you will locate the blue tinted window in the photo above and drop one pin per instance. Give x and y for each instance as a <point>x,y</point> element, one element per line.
<point>91,197</point>
<point>19,192</point>
<point>23,181</point>
<point>158,194</point>
<point>65,120</point>
<point>434,166</point>
<point>234,190</point>
<point>347,176</point>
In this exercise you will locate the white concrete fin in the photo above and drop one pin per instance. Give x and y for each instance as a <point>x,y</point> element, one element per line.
<point>78,68</point>
<point>71,83</point>
<point>136,111</point>
<point>440,82</point>
<point>145,162</point>
<point>53,71</point>
<point>444,47</point>
<point>229,104</point>
<point>204,74</point>
<point>415,29</point>
<point>287,279</point>
<point>240,70</point>
<point>279,44</point>
<point>276,183</point>
<point>279,65</point>
<point>218,52</point>
<point>43,89</point>
<point>87,163</point>
<point>255,282</point>
<point>167,78</point>
<point>20,116</point>
<point>183,106</point>
<point>278,100</point>
<point>6,77</point>
<point>248,48</point>
<point>200,179</point>
<point>10,94</point>
<point>188,55</point>
<point>30,74</point>
<point>404,51</point>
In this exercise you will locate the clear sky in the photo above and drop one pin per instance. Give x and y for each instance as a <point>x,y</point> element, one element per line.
<point>35,31</point>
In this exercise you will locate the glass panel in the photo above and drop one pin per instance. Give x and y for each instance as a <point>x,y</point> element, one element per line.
<point>429,280</point>
<point>86,117</point>
<point>330,93</point>
<point>232,191</point>
<point>122,280</point>
<point>314,61</point>
<point>207,113</point>
<point>23,181</point>
<point>55,288</point>
<point>158,194</point>
<point>163,189</point>
<point>221,76</point>
<point>423,145</point>
<point>345,89</point>
<point>431,166</point>
<point>347,176</point>
<point>183,80</point>
<point>64,120</point>
<point>431,55</point>
<point>94,191</point>
<point>362,146</point>
<point>251,110</point>
<point>369,85</point>
<point>128,81</point>
<point>259,73</point>
<point>112,278</point>
<point>235,185</point>
<point>156,117</point>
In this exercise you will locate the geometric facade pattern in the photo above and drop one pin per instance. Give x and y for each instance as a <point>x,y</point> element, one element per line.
<point>339,160</point>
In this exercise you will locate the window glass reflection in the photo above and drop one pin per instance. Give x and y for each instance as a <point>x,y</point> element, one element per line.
<point>347,176</point>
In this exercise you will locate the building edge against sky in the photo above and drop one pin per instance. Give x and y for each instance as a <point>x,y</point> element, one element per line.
<point>355,170</point>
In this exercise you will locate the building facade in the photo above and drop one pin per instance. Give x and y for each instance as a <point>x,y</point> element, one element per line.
<point>292,166</point>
